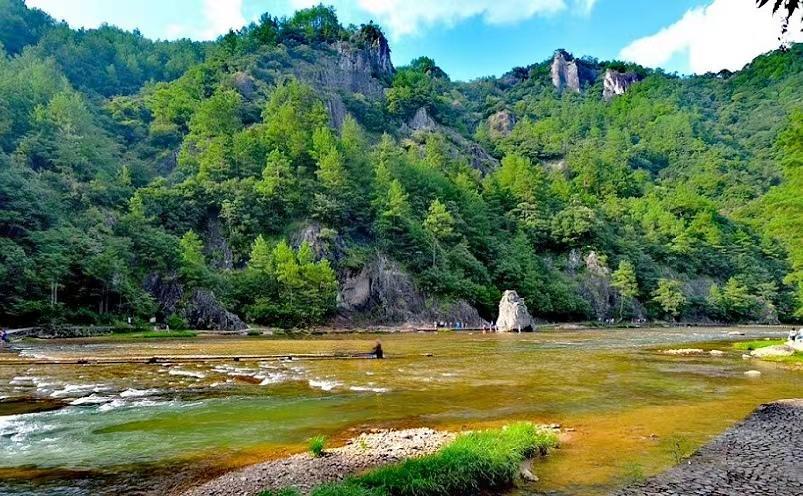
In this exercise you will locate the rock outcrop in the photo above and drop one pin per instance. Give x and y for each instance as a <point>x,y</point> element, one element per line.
<point>595,286</point>
<point>513,314</point>
<point>570,73</point>
<point>201,310</point>
<point>382,293</point>
<point>501,123</point>
<point>324,241</point>
<point>422,121</point>
<point>617,83</point>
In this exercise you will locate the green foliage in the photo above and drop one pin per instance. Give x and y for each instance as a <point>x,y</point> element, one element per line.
<point>316,446</point>
<point>285,287</point>
<point>624,280</point>
<point>669,296</point>
<point>474,462</point>
<point>176,322</point>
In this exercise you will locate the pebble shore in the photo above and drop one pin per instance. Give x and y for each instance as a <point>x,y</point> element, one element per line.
<point>762,456</point>
<point>304,472</point>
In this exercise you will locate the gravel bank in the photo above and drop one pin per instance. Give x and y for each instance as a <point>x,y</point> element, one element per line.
<point>761,456</point>
<point>305,472</point>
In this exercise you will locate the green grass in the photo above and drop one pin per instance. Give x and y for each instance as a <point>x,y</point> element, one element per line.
<point>136,335</point>
<point>473,463</point>
<point>796,359</point>
<point>754,345</point>
<point>317,445</point>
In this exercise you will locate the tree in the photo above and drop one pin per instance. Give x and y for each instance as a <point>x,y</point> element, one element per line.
<point>624,280</point>
<point>733,300</point>
<point>439,224</point>
<point>193,264</point>
<point>669,297</point>
<point>260,260</point>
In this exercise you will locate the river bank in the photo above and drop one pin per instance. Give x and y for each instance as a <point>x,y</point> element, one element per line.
<point>759,456</point>
<point>304,471</point>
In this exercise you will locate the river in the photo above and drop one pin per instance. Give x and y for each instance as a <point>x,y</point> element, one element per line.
<point>627,409</point>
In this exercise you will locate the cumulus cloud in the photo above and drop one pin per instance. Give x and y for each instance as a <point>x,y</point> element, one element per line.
<point>406,17</point>
<point>727,34</point>
<point>220,16</point>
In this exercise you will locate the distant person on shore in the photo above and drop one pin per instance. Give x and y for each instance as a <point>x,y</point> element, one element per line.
<point>377,351</point>
<point>792,335</point>
<point>4,342</point>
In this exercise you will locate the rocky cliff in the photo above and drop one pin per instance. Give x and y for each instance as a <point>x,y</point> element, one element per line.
<point>570,73</point>
<point>616,83</point>
<point>381,292</point>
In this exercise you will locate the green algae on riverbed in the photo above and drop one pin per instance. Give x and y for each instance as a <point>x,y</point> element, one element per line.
<point>625,402</point>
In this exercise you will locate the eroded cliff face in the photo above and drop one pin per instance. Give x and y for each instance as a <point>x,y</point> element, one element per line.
<point>570,73</point>
<point>617,83</point>
<point>501,123</point>
<point>382,293</point>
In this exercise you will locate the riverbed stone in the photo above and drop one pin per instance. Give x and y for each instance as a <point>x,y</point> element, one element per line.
<point>780,350</point>
<point>513,313</point>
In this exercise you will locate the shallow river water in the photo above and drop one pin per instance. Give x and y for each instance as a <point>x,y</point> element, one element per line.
<point>629,410</point>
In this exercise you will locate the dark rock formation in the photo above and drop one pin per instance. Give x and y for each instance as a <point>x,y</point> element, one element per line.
<point>200,310</point>
<point>501,123</point>
<point>325,242</point>
<point>383,293</point>
<point>571,73</point>
<point>422,121</point>
<point>616,83</point>
<point>216,247</point>
<point>203,311</point>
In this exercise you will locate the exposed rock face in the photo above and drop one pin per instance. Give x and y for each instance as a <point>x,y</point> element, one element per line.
<point>595,286</point>
<point>513,314</point>
<point>422,121</point>
<point>501,123</point>
<point>382,293</point>
<point>325,242</point>
<point>616,83</point>
<point>571,73</point>
<point>216,247</point>
<point>201,310</point>
<point>245,85</point>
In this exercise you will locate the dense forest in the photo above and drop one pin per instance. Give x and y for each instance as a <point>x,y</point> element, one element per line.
<point>287,174</point>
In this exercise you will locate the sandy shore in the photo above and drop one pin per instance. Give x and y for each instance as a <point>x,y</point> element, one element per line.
<point>304,472</point>
<point>761,456</point>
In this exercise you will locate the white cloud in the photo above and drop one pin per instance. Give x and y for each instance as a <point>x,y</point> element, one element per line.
<point>409,17</point>
<point>220,16</point>
<point>727,34</point>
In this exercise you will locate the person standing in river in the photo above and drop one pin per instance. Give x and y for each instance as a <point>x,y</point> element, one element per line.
<point>377,351</point>
<point>4,342</point>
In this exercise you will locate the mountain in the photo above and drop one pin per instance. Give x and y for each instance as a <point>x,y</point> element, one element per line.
<point>288,174</point>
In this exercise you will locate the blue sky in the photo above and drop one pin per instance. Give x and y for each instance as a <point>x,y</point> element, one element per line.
<point>473,38</point>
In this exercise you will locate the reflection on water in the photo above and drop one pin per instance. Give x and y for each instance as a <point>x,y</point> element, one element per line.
<point>143,429</point>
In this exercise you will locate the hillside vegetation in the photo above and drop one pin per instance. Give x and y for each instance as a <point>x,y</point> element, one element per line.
<point>288,174</point>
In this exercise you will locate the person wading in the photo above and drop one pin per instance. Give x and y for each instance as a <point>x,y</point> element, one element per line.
<point>377,351</point>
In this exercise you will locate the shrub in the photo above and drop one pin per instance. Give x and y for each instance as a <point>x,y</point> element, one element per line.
<point>317,445</point>
<point>176,322</point>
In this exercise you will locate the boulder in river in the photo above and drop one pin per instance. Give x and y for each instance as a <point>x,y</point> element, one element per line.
<point>513,314</point>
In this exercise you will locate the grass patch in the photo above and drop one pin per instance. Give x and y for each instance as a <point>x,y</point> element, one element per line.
<point>317,445</point>
<point>754,345</point>
<point>796,359</point>
<point>473,463</point>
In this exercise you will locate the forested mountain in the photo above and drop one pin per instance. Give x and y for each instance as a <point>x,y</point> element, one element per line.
<point>287,174</point>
